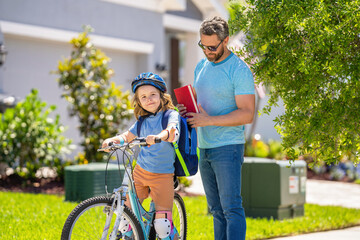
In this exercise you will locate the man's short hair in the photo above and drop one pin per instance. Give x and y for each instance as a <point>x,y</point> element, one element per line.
<point>215,25</point>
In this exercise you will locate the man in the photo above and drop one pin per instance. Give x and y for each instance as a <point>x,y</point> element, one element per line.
<point>224,89</point>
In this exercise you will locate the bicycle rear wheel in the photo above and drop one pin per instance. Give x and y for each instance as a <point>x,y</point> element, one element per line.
<point>87,221</point>
<point>179,216</point>
<point>179,219</point>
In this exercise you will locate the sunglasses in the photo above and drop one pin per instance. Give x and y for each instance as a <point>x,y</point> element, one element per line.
<point>210,48</point>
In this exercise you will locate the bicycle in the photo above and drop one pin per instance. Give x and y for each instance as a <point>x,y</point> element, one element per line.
<point>93,218</point>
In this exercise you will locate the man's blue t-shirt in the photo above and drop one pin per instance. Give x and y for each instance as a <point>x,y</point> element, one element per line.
<point>216,85</point>
<point>160,157</point>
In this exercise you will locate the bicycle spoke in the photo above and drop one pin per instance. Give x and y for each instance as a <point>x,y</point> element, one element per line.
<point>91,223</point>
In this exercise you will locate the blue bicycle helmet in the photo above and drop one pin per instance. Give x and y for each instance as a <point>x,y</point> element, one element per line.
<point>148,78</point>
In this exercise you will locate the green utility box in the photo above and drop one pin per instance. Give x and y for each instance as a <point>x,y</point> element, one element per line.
<point>272,188</point>
<point>88,180</point>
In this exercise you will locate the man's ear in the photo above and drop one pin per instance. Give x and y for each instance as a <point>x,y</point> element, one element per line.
<point>226,40</point>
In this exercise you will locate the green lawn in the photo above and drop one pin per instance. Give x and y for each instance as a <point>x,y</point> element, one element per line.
<point>39,216</point>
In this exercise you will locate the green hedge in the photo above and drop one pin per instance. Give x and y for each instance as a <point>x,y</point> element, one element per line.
<point>30,139</point>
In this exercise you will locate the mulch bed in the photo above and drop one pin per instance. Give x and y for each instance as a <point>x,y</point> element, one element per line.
<point>325,176</point>
<point>14,183</point>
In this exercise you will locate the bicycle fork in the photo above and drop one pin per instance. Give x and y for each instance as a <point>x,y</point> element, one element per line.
<point>117,208</point>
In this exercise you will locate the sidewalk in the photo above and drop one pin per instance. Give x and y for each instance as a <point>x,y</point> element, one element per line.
<point>343,234</point>
<point>321,193</point>
<point>333,193</point>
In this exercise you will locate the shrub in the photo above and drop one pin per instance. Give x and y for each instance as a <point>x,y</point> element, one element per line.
<point>337,173</point>
<point>184,182</point>
<point>256,148</point>
<point>276,150</point>
<point>307,54</point>
<point>100,106</point>
<point>30,139</point>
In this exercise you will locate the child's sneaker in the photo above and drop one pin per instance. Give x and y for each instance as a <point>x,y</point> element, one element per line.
<point>128,235</point>
<point>124,236</point>
<point>174,235</point>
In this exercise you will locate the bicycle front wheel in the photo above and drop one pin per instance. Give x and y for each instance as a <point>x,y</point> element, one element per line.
<point>87,221</point>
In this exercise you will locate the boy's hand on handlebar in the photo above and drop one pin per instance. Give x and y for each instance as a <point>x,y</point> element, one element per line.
<point>152,139</point>
<point>109,140</point>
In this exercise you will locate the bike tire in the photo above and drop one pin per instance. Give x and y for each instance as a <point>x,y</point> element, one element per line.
<point>179,219</point>
<point>87,220</point>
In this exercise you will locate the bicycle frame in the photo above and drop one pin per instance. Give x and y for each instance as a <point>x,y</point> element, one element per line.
<point>94,216</point>
<point>137,209</point>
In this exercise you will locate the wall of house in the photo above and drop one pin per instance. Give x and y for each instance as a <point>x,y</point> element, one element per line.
<point>265,125</point>
<point>108,19</point>
<point>191,12</point>
<point>30,58</point>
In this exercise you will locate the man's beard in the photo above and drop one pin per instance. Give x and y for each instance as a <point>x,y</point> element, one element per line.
<point>215,57</point>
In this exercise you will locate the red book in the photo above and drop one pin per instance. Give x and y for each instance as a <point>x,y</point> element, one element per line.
<point>185,95</point>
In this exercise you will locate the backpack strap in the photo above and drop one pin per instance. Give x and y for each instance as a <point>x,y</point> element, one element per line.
<point>165,118</point>
<point>181,159</point>
<point>164,123</point>
<point>140,121</point>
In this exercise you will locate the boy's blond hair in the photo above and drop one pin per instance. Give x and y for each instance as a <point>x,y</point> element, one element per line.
<point>165,104</point>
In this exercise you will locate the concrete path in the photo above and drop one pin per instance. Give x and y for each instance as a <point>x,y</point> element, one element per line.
<point>343,234</point>
<point>322,193</point>
<point>333,193</point>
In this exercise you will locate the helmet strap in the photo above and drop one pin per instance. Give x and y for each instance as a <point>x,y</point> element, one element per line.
<point>148,114</point>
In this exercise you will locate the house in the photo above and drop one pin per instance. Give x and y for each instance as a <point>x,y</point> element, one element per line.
<point>138,35</point>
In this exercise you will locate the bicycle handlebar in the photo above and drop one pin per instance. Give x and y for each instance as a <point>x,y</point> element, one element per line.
<point>141,141</point>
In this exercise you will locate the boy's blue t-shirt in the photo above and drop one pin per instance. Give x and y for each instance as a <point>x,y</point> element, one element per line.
<point>160,157</point>
<point>216,85</point>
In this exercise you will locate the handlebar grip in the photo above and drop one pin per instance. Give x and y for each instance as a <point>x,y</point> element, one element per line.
<point>157,140</point>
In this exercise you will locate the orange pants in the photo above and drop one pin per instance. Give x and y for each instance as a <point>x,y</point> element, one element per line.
<point>159,186</point>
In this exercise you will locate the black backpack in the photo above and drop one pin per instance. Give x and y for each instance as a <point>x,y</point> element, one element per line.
<point>187,159</point>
